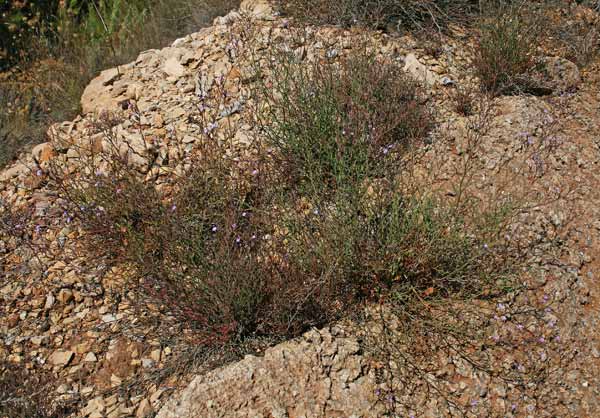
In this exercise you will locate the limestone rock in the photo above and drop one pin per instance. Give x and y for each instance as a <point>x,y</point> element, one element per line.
<point>173,68</point>
<point>419,71</point>
<point>315,376</point>
<point>144,409</point>
<point>42,153</point>
<point>65,296</point>
<point>259,9</point>
<point>90,358</point>
<point>559,74</point>
<point>61,358</point>
<point>97,95</point>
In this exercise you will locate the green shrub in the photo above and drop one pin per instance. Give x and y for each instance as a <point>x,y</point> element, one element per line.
<point>397,14</point>
<point>580,40</point>
<point>335,124</point>
<point>293,238</point>
<point>505,50</point>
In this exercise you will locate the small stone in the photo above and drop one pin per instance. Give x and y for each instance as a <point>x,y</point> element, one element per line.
<point>115,380</point>
<point>419,71</point>
<point>39,340</point>
<point>173,68</point>
<point>147,363</point>
<point>61,358</point>
<point>50,299</point>
<point>111,400</point>
<point>155,355</point>
<point>90,358</point>
<point>108,318</point>
<point>95,406</point>
<point>144,409</point>
<point>65,296</point>
<point>62,389</point>
<point>42,153</point>
<point>156,396</point>
<point>87,390</point>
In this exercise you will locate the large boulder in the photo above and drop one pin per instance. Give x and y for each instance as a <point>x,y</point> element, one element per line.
<point>320,375</point>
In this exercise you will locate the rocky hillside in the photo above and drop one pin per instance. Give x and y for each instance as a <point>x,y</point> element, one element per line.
<point>71,320</point>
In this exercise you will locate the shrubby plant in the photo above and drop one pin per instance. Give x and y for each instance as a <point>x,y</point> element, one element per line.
<point>319,219</point>
<point>394,14</point>
<point>335,124</point>
<point>506,48</point>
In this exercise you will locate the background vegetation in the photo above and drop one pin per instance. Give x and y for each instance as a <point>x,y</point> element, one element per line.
<point>50,50</point>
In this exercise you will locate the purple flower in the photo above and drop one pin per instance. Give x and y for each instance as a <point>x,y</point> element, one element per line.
<point>173,208</point>
<point>238,240</point>
<point>38,229</point>
<point>557,338</point>
<point>474,402</point>
<point>513,407</point>
<point>210,127</point>
<point>541,340</point>
<point>253,237</point>
<point>495,337</point>
<point>39,173</point>
<point>214,228</point>
<point>244,214</point>
<point>545,298</point>
<point>520,327</point>
<point>254,172</point>
<point>377,392</point>
<point>233,226</point>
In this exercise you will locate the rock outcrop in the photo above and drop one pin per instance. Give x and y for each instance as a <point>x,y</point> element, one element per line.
<point>323,374</point>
